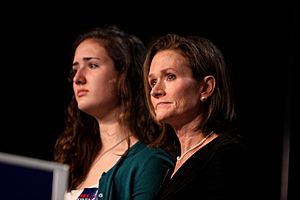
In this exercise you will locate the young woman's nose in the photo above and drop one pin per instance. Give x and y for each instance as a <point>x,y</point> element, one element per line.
<point>79,76</point>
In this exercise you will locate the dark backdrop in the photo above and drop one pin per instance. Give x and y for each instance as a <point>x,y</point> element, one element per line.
<point>258,41</point>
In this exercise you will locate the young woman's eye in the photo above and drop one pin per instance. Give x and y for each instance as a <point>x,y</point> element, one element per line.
<point>93,65</point>
<point>171,77</point>
<point>72,73</point>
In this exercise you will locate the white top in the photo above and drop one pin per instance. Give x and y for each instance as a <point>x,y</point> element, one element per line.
<point>74,194</point>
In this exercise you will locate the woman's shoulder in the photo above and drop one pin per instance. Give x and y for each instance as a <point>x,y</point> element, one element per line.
<point>228,147</point>
<point>147,153</point>
<point>224,140</point>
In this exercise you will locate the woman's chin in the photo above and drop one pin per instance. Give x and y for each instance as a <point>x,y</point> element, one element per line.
<point>162,118</point>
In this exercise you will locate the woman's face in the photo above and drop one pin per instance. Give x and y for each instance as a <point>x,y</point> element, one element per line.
<point>95,77</point>
<point>175,94</point>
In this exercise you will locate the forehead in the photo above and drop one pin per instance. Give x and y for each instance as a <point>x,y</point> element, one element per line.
<point>91,46</point>
<point>169,59</point>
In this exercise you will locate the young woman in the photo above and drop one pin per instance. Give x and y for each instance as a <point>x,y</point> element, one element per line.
<point>109,131</point>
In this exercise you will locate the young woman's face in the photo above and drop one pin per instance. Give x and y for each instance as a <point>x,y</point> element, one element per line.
<point>95,77</point>
<point>175,94</point>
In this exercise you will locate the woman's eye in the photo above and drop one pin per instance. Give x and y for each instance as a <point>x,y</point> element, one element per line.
<point>171,77</point>
<point>152,83</point>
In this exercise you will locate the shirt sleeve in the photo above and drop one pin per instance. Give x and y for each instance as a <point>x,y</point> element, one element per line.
<point>155,169</point>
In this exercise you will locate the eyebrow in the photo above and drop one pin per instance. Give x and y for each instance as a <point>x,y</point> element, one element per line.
<point>85,59</point>
<point>163,71</point>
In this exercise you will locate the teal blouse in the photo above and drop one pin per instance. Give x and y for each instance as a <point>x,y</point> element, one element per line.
<point>137,175</point>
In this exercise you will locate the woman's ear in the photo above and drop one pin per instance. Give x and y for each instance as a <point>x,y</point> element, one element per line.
<point>208,87</point>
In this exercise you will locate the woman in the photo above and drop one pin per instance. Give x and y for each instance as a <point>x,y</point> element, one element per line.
<point>108,128</point>
<point>187,87</point>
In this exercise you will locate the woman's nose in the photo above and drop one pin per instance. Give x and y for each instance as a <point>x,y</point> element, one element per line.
<point>158,91</point>
<point>79,77</point>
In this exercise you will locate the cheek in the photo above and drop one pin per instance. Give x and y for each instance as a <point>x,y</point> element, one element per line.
<point>102,83</point>
<point>74,87</point>
<point>187,99</point>
<point>152,100</point>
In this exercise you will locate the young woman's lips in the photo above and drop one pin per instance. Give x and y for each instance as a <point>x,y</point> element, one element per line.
<point>81,92</point>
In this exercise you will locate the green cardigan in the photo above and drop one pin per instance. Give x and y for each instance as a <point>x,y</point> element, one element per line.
<point>137,175</point>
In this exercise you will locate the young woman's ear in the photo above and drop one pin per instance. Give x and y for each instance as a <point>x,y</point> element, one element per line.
<point>208,87</point>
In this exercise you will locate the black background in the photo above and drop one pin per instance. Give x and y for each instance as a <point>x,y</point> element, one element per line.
<point>258,40</point>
